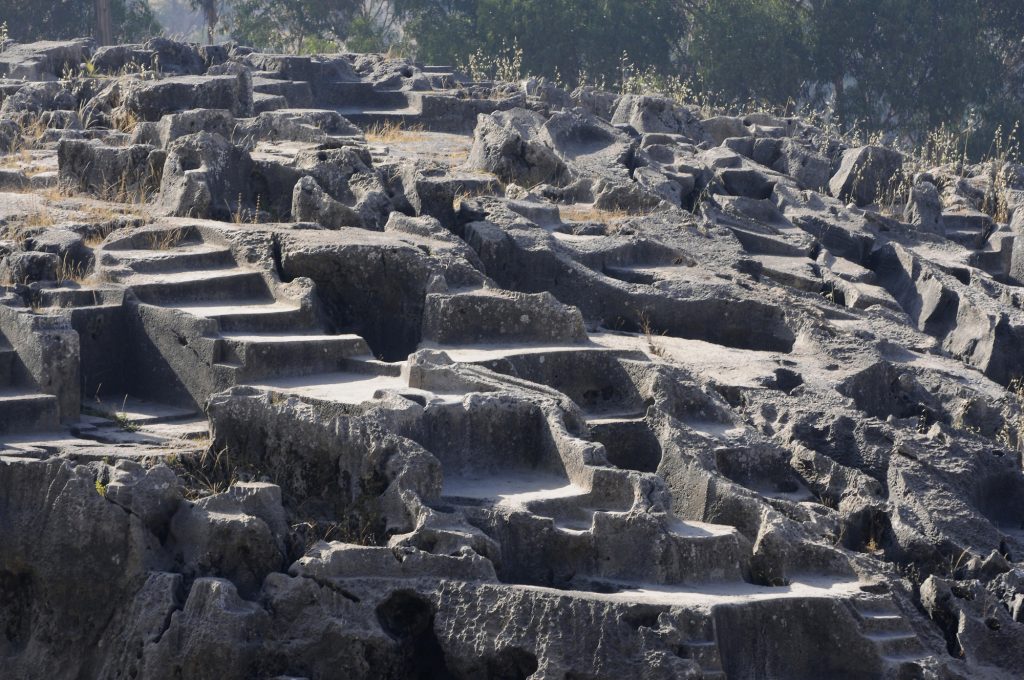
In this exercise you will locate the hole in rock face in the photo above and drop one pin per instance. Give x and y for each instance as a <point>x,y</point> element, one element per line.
<point>786,380</point>
<point>833,294</point>
<point>785,485</point>
<point>15,611</point>
<point>630,445</point>
<point>747,467</point>
<point>415,398</point>
<point>190,162</point>
<point>960,274</point>
<point>511,663</point>
<point>867,530</point>
<point>642,617</point>
<point>881,390</point>
<point>409,619</point>
<point>405,615</point>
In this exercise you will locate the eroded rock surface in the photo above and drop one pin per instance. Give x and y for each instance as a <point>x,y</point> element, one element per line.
<point>344,366</point>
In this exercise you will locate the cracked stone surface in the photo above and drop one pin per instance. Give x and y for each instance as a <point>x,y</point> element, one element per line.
<point>348,367</point>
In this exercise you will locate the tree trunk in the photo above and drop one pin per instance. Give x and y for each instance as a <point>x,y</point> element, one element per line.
<point>104,25</point>
<point>840,103</point>
<point>212,17</point>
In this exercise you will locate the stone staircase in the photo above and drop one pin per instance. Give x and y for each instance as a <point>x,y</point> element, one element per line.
<point>366,105</point>
<point>604,547</point>
<point>704,651</point>
<point>885,627</point>
<point>270,93</point>
<point>251,331</point>
<point>970,228</point>
<point>22,407</point>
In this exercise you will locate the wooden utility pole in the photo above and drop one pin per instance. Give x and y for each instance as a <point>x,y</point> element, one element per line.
<point>104,25</point>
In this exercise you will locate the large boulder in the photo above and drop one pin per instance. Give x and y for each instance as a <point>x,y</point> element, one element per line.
<point>500,316</point>
<point>171,56</point>
<point>292,125</point>
<point>347,176</point>
<point>13,180</point>
<point>175,125</point>
<point>239,534</point>
<point>660,185</point>
<point>810,169</point>
<point>590,146</point>
<point>29,267</point>
<point>115,59</point>
<point>123,173</point>
<point>205,176</point>
<point>150,100</point>
<point>975,624</point>
<point>924,209</point>
<point>38,97</point>
<point>720,128</point>
<point>310,203</point>
<point>151,494</point>
<point>67,245</point>
<point>655,114</point>
<point>508,144</point>
<point>1017,254</point>
<point>216,635</point>
<point>867,173</point>
<point>44,60</point>
<point>70,559</point>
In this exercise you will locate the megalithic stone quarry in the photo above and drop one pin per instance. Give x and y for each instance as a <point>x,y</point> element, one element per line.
<point>344,366</point>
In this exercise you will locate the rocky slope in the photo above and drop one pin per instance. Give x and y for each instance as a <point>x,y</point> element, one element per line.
<point>344,367</point>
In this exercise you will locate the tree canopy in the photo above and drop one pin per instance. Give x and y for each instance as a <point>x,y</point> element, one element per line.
<point>29,20</point>
<point>905,65</point>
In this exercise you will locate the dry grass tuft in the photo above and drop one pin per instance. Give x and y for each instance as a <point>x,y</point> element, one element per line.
<point>103,213</point>
<point>68,270</point>
<point>393,132</point>
<point>462,196</point>
<point>457,158</point>
<point>125,120</point>
<point>589,214</point>
<point>583,212</point>
<point>39,218</point>
<point>165,240</point>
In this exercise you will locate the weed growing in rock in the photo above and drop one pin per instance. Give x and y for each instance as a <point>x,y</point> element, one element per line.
<point>69,270</point>
<point>210,473</point>
<point>649,335</point>
<point>123,421</point>
<point>165,240</point>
